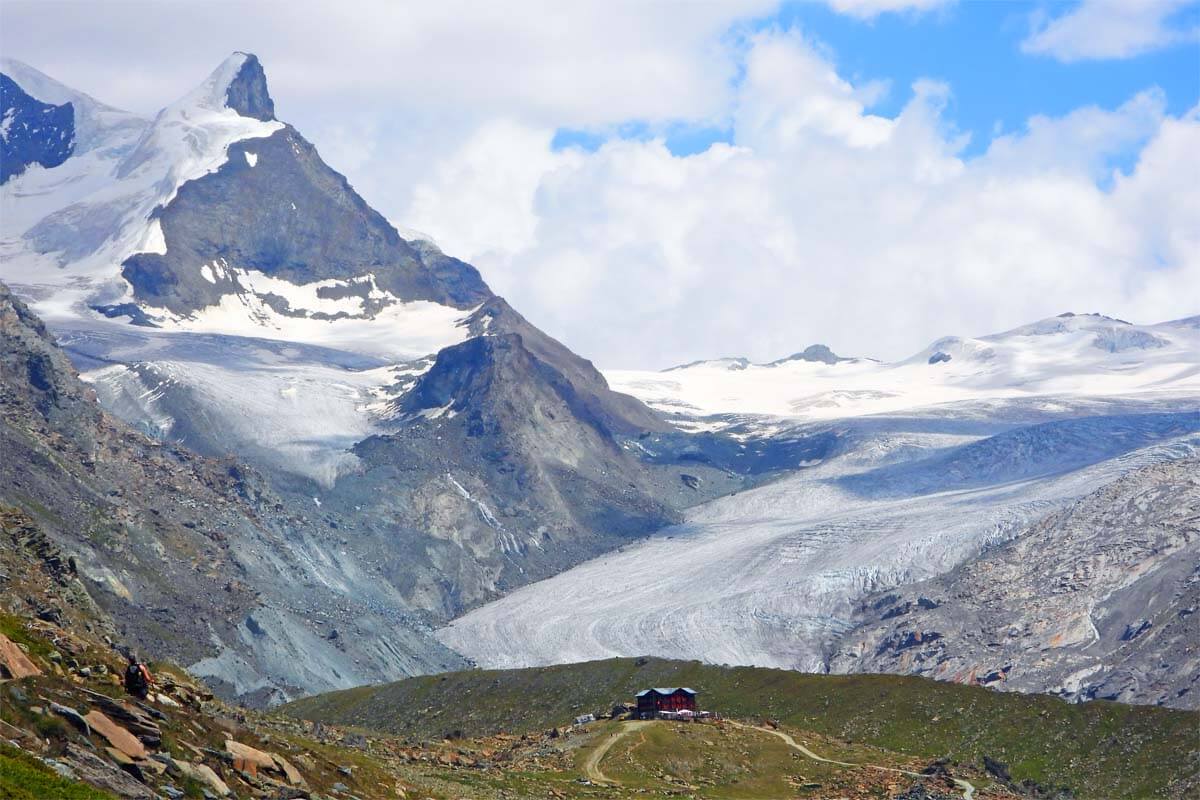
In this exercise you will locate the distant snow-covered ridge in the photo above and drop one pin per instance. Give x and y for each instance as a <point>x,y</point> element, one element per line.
<point>1070,355</point>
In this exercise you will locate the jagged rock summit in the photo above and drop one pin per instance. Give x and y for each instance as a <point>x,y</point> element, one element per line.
<point>816,352</point>
<point>247,93</point>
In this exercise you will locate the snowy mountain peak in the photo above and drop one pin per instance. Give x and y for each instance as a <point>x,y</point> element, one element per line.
<point>1106,333</point>
<point>738,363</point>
<point>44,88</point>
<point>816,353</point>
<point>238,84</point>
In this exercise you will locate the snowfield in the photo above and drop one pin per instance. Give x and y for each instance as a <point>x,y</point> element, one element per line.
<point>1075,356</point>
<point>400,331</point>
<point>290,406</point>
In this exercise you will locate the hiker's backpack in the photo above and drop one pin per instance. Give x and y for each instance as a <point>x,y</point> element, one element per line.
<point>135,678</point>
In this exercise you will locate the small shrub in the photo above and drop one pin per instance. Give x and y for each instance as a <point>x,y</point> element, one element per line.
<point>191,787</point>
<point>52,728</point>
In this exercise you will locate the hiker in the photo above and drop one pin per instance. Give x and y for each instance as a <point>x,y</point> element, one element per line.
<point>137,678</point>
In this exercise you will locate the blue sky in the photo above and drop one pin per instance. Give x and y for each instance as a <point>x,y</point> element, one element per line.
<point>973,46</point>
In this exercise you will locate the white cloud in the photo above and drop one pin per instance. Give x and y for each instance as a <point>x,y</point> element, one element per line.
<point>578,64</point>
<point>825,223</point>
<point>869,9</point>
<point>1097,29</point>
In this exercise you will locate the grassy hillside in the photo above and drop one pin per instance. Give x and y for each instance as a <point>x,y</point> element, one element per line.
<point>1095,749</point>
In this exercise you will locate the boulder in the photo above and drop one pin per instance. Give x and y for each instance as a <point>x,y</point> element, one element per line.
<point>72,716</point>
<point>204,774</point>
<point>133,718</point>
<point>291,773</point>
<point>90,768</point>
<point>248,759</point>
<point>13,661</point>
<point>134,768</point>
<point>117,736</point>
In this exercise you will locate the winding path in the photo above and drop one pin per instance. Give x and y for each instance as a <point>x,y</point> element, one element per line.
<point>967,789</point>
<point>591,766</point>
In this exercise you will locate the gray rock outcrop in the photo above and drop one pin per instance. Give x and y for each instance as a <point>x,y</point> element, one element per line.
<point>1100,600</point>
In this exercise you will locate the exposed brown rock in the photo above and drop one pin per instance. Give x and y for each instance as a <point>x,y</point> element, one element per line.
<point>117,736</point>
<point>247,759</point>
<point>204,774</point>
<point>13,661</point>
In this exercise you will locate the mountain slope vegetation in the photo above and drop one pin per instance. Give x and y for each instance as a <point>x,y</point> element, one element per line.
<point>1097,749</point>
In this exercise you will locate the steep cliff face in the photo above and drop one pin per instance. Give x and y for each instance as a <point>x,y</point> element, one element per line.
<point>1101,600</point>
<point>194,559</point>
<point>247,93</point>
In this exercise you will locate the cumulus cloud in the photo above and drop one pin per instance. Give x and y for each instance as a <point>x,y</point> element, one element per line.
<point>823,222</point>
<point>1098,29</point>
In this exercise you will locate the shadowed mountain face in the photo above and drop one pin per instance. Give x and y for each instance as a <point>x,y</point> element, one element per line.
<point>274,207</point>
<point>247,93</point>
<point>508,461</point>
<point>32,132</point>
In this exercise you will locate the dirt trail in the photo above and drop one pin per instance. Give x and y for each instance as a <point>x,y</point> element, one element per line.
<point>967,789</point>
<point>591,767</point>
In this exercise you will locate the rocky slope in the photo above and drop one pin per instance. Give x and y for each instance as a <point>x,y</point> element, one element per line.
<point>69,732</point>
<point>1099,600</point>
<point>193,558</point>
